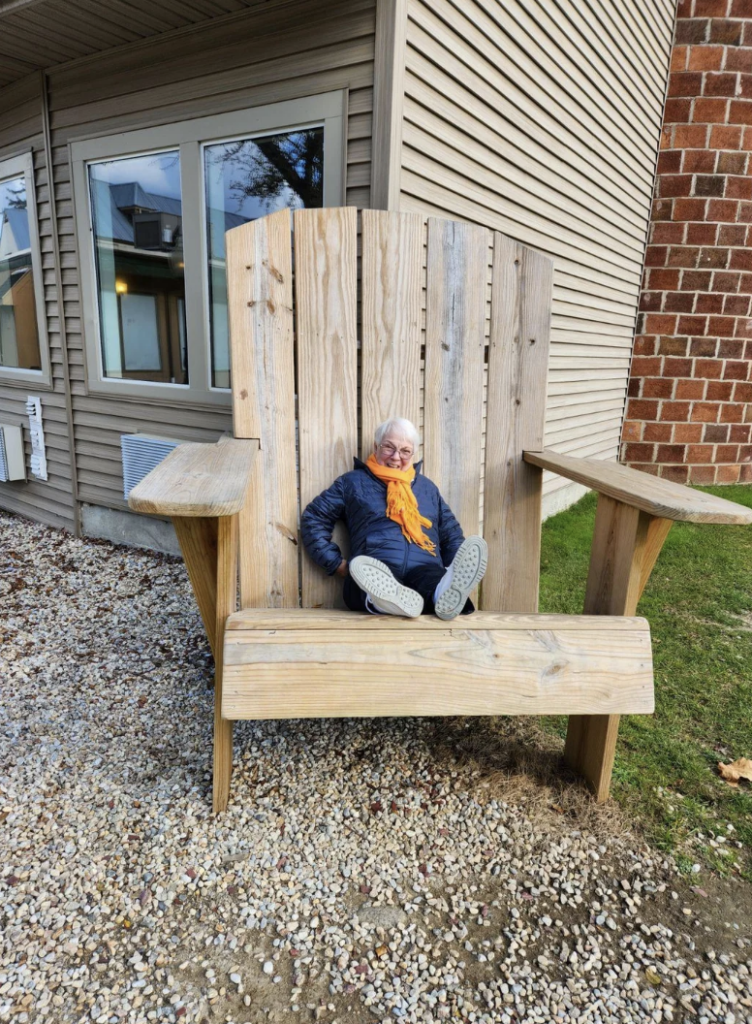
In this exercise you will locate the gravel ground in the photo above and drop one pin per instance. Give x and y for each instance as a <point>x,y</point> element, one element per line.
<point>361,872</point>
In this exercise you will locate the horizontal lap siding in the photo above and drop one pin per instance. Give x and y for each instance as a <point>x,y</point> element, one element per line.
<point>50,501</point>
<point>276,55</point>
<point>541,120</point>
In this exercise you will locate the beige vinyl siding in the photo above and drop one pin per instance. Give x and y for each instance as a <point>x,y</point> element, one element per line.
<point>542,120</point>
<point>284,52</point>
<point>50,501</point>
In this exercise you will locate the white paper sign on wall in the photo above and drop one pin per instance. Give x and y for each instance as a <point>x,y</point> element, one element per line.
<point>38,452</point>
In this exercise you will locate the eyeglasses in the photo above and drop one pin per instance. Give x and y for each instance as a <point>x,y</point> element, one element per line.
<point>389,450</point>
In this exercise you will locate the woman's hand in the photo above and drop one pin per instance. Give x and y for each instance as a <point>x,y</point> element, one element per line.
<point>341,569</point>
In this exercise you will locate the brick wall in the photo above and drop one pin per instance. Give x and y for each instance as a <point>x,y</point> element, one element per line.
<point>689,410</point>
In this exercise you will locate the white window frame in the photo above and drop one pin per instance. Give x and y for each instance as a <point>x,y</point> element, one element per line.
<point>189,138</point>
<point>16,167</point>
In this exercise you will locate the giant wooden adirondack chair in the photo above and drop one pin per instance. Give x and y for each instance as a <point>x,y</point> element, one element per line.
<point>454,334</point>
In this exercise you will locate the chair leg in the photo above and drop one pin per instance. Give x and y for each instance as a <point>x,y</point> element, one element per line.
<point>222,757</point>
<point>227,593</point>
<point>626,544</point>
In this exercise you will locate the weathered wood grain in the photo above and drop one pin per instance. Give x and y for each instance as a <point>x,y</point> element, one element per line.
<point>326,307</point>
<point>651,494</point>
<point>516,412</point>
<point>197,480</point>
<point>198,542</point>
<point>227,589</point>
<point>392,264</point>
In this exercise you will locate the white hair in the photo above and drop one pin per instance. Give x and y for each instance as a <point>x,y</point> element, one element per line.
<point>402,427</point>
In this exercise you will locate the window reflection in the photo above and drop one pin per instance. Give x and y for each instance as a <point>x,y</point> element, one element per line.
<point>19,338</point>
<point>246,179</point>
<point>138,238</point>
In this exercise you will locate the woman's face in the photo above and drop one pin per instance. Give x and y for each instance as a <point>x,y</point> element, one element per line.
<point>395,451</point>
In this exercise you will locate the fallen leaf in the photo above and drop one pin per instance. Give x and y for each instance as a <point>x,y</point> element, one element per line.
<point>737,770</point>
<point>381,951</point>
<point>698,890</point>
<point>653,977</point>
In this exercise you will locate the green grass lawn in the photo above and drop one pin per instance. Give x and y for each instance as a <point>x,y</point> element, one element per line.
<point>699,605</point>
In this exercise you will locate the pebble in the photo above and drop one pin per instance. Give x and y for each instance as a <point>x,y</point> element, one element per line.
<point>365,872</point>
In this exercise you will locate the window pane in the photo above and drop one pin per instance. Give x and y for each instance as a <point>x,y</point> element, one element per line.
<point>138,244</point>
<point>19,338</point>
<point>246,179</point>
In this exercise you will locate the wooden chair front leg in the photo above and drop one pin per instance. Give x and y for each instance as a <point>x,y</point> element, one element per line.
<point>210,550</point>
<point>626,544</point>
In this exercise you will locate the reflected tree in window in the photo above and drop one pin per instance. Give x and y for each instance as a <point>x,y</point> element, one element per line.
<point>19,335</point>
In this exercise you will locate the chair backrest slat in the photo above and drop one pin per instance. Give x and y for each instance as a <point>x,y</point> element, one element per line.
<point>392,275</point>
<point>515,420</point>
<point>326,311</point>
<point>259,284</point>
<point>457,276</point>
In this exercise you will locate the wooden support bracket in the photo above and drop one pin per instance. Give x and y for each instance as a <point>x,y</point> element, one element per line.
<point>626,544</point>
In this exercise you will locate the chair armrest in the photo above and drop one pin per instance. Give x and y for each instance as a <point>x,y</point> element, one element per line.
<point>197,480</point>
<point>651,494</point>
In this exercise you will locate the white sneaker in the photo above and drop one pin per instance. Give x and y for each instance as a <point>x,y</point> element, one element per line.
<point>385,593</point>
<point>462,576</point>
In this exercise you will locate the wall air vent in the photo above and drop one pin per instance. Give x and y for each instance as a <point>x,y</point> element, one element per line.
<point>141,453</point>
<point>12,463</point>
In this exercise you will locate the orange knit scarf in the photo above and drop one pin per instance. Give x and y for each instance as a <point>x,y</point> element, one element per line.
<point>401,503</point>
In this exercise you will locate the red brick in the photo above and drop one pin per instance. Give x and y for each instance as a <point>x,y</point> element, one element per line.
<point>727,474</point>
<point>717,112</point>
<point>745,453</point>
<point>690,209</point>
<point>740,112</point>
<point>721,209</point>
<point>682,256</point>
<point>670,162</point>
<point>702,474</point>
<point>738,188</point>
<point>652,302</point>
<point>700,234</point>
<point>738,60</point>
<point>670,346</point>
<point>740,433</point>
<point>667,233</point>
<point>747,140</point>
<point>644,366</point>
<point>657,387</point>
<point>663,280</point>
<point>722,326</point>
<point>727,453</point>
<point>715,257</point>
<point>677,367</point>
<point>700,453</point>
<point>748,350</point>
<point>732,234</point>
<point>732,163</point>
<point>679,58</point>
<point>695,161</point>
<point>676,302</point>
<point>655,256</point>
<point>741,9</point>
<point>719,390</point>
<point>745,212</point>
<point>743,325</point>
<point>727,32</point>
<point>663,209</point>
<point>746,286</point>
<point>671,185</point>
<point>642,409</point>
<point>659,323</point>
<point>691,325</point>
<point>708,369</point>
<point>633,387</point>
<point>645,346</point>
<point>731,413</point>
<point>714,85</point>
<point>716,433</point>
<point>709,185</point>
<point>736,370</point>
<point>721,137</point>
<point>709,303</point>
<point>677,474</point>
<point>731,348</point>
<point>745,474</point>
<point>657,432</point>
<point>691,390</point>
<point>676,111</point>
<point>703,58</point>
<point>741,259</point>
<point>696,281</point>
<point>671,453</point>
<point>711,8</point>
<point>736,305</point>
<point>689,83</point>
<point>675,412</point>
<point>726,281</point>
<point>632,431</point>
<point>704,412</point>
<point>703,347</point>
<point>687,432</point>
<point>639,452</point>
<point>695,31</point>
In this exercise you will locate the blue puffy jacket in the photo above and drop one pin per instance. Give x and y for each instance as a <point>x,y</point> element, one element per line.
<point>359,499</point>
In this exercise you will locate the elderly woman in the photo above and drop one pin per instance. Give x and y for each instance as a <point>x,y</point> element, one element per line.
<point>408,552</point>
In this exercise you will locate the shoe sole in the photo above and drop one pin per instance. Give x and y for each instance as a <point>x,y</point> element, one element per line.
<point>379,583</point>
<point>469,567</point>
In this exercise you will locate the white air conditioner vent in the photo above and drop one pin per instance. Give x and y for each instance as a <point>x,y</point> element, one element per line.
<point>141,453</point>
<point>12,462</point>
